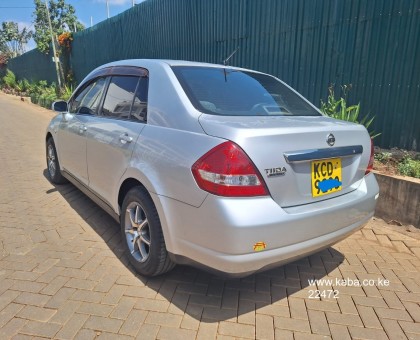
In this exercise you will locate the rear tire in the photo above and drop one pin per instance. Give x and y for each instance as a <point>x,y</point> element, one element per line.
<point>53,166</point>
<point>142,234</point>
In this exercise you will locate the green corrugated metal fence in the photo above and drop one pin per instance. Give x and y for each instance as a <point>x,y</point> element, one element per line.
<point>373,45</point>
<point>34,66</point>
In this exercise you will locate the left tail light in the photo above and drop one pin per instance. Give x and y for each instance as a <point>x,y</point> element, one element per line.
<point>372,154</point>
<point>226,170</point>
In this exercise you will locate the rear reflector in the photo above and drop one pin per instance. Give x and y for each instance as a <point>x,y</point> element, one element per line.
<point>226,170</point>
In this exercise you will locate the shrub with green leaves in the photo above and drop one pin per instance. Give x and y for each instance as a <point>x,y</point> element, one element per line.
<point>66,92</point>
<point>409,167</point>
<point>10,79</point>
<point>339,109</point>
<point>383,157</point>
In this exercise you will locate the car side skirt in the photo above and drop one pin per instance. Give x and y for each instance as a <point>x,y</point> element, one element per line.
<point>92,195</point>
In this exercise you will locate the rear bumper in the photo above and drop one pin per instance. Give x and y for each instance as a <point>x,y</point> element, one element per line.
<point>222,232</point>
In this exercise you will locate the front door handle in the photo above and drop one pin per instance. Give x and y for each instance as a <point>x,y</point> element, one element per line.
<point>82,129</point>
<point>125,138</point>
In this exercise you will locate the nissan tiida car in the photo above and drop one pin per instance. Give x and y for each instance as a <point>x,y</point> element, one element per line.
<point>210,165</point>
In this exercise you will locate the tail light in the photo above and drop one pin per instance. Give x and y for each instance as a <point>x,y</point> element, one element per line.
<point>226,170</point>
<point>372,154</point>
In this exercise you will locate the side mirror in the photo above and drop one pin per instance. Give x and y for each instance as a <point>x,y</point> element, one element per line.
<point>59,106</point>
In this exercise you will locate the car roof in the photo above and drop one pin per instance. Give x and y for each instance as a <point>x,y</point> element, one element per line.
<point>170,62</point>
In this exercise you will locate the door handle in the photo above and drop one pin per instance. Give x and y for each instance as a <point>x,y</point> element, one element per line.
<point>125,138</point>
<point>82,129</point>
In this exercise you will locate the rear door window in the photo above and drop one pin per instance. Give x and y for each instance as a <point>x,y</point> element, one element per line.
<point>139,109</point>
<point>120,96</point>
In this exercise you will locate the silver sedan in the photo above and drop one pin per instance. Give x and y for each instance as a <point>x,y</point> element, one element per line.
<point>210,165</point>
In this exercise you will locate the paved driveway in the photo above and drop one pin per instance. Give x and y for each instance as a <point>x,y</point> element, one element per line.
<point>63,273</point>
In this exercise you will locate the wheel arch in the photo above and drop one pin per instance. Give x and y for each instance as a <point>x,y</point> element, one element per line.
<point>126,186</point>
<point>132,181</point>
<point>48,136</point>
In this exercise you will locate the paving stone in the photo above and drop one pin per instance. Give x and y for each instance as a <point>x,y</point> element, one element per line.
<point>72,327</point>
<point>65,312</point>
<point>190,322</point>
<point>152,305</point>
<point>369,318</point>
<point>12,327</point>
<point>297,309</point>
<point>170,333</point>
<point>41,329</point>
<point>36,313</point>
<point>344,319</point>
<point>147,331</point>
<point>281,334</point>
<point>410,327</point>
<point>114,295</point>
<point>246,312</point>
<point>54,285</point>
<point>207,331</point>
<point>87,296</point>
<point>86,334</point>
<point>33,299</point>
<point>392,329</point>
<point>368,301</point>
<point>133,322</point>
<point>326,306</point>
<point>413,309</point>
<point>396,314</point>
<point>95,309</point>
<point>28,286</point>
<point>339,332</point>
<point>163,319</point>
<point>318,322</point>
<point>292,324</point>
<point>9,313</point>
<point>264,327</point>
<point>236,330</point>
<point>99,323</point>
<point>367,333</point>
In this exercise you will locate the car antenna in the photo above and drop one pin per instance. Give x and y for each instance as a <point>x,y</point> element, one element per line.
<point>226,61</point>
<point>231,55</point>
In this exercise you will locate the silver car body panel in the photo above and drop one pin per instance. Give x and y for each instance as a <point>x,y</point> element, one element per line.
<point>73,145</point>
<point>220,232</point>
<point>110,137</point>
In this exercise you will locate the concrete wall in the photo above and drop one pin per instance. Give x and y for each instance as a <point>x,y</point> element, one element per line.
<point>399,199</point>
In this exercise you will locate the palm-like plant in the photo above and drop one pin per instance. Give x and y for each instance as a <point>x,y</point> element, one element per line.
<point>338,109</point>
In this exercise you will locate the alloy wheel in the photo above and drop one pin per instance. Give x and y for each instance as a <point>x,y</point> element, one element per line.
<point>137,232</point>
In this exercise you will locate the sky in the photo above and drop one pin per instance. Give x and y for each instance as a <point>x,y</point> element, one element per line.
<point>20,11</point>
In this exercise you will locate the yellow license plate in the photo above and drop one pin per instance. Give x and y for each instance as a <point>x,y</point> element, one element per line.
<point>326,176</point>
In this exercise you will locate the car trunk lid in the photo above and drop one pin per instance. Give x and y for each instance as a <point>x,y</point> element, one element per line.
<point>293,156</point>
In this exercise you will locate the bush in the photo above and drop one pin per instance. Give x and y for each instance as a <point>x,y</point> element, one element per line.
<point>41,93</point>
<point>10,79</point>
<point>338,109</point>
<point>409,167</point>
<point>383,157</point>
<point>66,92</point>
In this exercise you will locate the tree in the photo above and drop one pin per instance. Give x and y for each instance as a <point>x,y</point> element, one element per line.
<point>13,40</point>
<point>63,19</point>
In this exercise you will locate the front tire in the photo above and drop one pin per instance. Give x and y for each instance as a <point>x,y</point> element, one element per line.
<point>53,166</point>
<point>142,234</point>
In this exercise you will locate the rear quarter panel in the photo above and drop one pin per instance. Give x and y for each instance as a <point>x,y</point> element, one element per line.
<point>162,161</point>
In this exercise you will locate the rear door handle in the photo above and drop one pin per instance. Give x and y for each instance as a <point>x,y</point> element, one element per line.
<point>125,138</point>
<point>82,129</point>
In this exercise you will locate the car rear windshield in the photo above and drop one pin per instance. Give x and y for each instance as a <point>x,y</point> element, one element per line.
<point>229,92</point>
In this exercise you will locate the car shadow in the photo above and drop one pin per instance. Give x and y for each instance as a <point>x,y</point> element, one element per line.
<point>204,296</point>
